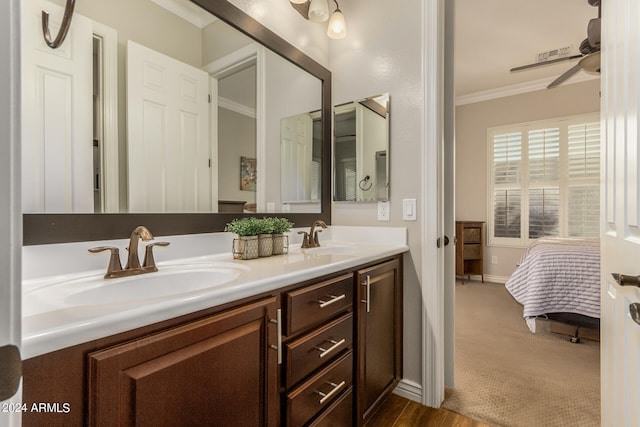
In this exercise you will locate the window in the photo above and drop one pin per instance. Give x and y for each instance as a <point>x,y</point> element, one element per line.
<point>544,180</point>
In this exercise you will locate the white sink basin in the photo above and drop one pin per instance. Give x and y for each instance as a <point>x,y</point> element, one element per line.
<point>169,281</point>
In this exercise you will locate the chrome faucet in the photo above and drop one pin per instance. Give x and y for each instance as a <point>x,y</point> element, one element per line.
<point>310,239</point>
<point>133,267</point>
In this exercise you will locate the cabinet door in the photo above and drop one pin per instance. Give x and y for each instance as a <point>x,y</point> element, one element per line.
<point>379,364</point>
<point>216,370</point>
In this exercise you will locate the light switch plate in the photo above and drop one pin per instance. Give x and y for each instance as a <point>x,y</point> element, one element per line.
<point>271,207</point>
<point>383,211</point>
<point>409,209</point>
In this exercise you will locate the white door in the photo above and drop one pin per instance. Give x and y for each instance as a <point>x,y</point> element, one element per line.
<point>10,217</point>
<point>59,137</point>
<point>168,149</point>
<point>620,234</point>
<point>296,149</point>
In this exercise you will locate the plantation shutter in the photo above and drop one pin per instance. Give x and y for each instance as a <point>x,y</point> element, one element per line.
<point>544,189</point>
<point>507,195</point>
<point>584,180</point>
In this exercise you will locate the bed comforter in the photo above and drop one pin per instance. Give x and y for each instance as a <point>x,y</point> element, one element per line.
<point>558,276</point>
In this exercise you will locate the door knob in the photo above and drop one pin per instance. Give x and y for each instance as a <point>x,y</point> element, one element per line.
<point>439,241</point>
<point>624,280</point>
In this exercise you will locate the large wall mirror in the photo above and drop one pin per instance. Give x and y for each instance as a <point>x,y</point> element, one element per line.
<point>361,150</point>
<point>176,114</point>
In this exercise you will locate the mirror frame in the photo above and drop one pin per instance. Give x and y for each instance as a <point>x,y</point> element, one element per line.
<point>60,228</point>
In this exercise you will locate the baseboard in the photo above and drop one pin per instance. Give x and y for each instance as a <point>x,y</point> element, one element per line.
<point>410,390</point>
<point>495,279</point>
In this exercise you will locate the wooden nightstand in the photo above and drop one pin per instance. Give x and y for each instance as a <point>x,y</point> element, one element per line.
<point>469,249</point>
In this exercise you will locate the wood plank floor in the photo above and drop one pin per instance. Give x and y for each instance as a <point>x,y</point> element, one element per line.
<point>397,411</point>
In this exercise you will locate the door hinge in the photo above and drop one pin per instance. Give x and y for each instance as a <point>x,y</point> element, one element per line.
<point>209,163</point>
<point>209,98</point>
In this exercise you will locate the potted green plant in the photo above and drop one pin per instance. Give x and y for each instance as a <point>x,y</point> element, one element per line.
<point>265,238</point>
<point>247,229</point>
<point>280,226</point>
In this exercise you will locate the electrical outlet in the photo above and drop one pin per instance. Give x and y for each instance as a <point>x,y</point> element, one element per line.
<point>494,259</point>
<point>383,211</point>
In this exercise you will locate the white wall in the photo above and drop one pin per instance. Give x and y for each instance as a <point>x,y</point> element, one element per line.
<point>472,121</point>
<point>236,138</point>
<point>283,20</point>
<point>383,53</point>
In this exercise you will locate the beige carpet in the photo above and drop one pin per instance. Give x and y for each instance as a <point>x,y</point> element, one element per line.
<point>507,376</point>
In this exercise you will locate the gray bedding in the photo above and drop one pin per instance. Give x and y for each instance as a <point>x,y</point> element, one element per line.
<point>558,276</point>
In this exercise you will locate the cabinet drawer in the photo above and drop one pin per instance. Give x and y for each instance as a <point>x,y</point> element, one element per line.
<point>319,391</point>
<point>309,352</point>
<point>472,251</point>
<point>313,304</point>
<point>472,234</point>
<point>339,414</point>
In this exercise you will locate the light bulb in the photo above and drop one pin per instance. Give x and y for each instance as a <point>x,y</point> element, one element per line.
<point>337,28</point>
<point>318,10</point>
<point>298,1</point>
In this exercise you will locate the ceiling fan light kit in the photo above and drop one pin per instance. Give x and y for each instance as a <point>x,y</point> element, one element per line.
<point>589,52</point>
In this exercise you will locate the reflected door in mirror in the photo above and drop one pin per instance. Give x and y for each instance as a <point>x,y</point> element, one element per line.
<point>361,148</point>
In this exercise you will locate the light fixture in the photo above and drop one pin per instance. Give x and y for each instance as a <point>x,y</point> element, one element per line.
<point>337,28</point>
<point>318,11</point>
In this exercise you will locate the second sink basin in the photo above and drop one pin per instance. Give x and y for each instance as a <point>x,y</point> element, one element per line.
<point>169,281</point>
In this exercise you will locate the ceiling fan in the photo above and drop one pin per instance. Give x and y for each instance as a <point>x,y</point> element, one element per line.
<point>589,53</point>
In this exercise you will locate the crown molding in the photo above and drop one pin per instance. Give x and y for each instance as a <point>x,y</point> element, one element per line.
<point>236,107</point>
<point>517,89</point>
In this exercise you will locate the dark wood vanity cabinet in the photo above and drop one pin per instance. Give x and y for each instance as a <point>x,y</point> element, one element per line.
<point>318,363</point>
<point>215,371</point>
<point>341,347</point>
<point>379,313</point>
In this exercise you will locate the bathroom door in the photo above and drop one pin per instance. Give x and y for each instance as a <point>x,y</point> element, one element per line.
<point>57,107</point>
<point>296,149</point>
<point>168,147</point>
<point>10,213</point>
<point>620,214</point>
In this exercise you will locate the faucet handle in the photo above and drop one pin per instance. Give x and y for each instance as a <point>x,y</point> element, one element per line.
<point>114,260</point>
<point>149,263</point>
<point>306,240</point>
<point>316,242</point>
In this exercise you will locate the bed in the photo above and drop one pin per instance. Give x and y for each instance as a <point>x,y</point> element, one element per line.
<point>559,279</point>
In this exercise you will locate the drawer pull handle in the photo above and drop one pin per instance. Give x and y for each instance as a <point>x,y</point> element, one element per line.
<point>335,345</point>
<point>326,396</point>
<point>278,347</point>
<point>333,299</point>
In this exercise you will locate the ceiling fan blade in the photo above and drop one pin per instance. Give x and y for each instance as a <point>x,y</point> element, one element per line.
<point>540,64</point>
<point>565,76</point>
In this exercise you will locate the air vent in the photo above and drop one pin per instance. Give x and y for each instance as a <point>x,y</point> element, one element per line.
<point>553,54</point>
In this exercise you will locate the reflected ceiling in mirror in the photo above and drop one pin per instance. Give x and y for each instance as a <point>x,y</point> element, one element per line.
<point>361,150</point>
<point>175,112</point>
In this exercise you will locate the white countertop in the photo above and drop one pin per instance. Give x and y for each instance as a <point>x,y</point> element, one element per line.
<point>69,324</point>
